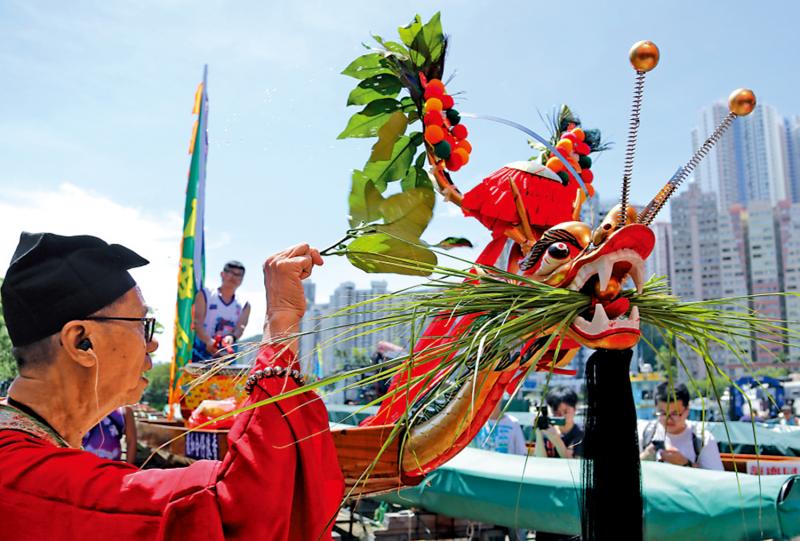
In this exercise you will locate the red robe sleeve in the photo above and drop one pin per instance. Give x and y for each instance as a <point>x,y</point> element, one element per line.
<point>280,481</point>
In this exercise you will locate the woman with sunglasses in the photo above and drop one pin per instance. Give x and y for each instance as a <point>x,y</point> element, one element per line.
<point>83,340</point>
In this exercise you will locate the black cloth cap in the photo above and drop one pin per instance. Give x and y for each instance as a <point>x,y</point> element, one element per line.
<point>54,279</point>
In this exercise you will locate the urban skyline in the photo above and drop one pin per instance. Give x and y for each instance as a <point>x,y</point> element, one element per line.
<point>734,230</point>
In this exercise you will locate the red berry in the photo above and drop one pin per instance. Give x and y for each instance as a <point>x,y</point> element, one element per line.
<point>433,118</point>
<point>460,131</point>
<point>583,149</point>
<point>435,83</point>
<point>447,101</point>
<point>433,91</point>
<point>587,175</point>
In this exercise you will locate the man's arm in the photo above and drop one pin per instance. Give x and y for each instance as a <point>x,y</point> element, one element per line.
<point>199,318</point>
<point>244,317</point>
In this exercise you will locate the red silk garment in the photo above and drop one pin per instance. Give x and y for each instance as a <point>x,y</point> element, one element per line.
<point>276,483</point>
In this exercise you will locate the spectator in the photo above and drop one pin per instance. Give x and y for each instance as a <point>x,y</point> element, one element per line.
<point>105,438</point>
<point>219,318</point>
<point>671,438</point>
<point>787,416</point>
<point>502,433</point>
<point>563,403</point>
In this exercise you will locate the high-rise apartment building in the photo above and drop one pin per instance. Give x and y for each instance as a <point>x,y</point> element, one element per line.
<point>792,133</point>
<point>333,327</point>
<point>788,218</point>
<point>749,162</point>
<point>763,258</point>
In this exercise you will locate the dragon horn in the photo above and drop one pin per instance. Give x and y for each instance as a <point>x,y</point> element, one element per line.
<point>644,57</point>
<point>740,103</point>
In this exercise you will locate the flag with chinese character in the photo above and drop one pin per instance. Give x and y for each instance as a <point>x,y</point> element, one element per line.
<point>192,265</point>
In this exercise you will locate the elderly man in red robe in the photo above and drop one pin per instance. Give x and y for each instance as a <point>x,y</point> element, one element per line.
<point>83,341</point>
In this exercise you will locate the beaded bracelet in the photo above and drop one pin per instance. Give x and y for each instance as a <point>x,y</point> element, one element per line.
<point>270,371</point>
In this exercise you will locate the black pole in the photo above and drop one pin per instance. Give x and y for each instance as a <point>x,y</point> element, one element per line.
<point>611,498</point>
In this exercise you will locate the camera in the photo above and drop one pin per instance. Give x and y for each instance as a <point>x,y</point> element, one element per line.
<point>544,421</point>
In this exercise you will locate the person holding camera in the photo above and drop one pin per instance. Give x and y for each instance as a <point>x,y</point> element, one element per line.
<point>563,404</point>
<point>672,438</point>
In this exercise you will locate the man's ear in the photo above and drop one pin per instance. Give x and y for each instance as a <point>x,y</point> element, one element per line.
<point>77,344</point>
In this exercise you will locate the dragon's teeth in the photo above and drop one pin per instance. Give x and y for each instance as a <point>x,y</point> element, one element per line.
<point>604,272</point>
<point>637,273</point>
<point>600,317</point>
<point>634,314</point>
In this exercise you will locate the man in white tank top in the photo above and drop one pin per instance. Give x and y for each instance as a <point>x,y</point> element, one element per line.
<point>219,317</point>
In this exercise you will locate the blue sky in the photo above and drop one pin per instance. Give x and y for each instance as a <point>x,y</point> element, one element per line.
<point>95,108</point>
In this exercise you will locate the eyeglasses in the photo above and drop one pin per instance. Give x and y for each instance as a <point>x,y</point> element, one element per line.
<point>149,324</point>
<point>672,415</point>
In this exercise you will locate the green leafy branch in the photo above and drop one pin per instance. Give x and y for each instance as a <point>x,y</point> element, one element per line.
<point>377,222</point>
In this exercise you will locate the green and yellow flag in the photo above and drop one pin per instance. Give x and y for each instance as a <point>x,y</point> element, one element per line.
<point>192,267</point>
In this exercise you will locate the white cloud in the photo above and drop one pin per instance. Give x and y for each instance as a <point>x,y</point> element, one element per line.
<point>71,210</point>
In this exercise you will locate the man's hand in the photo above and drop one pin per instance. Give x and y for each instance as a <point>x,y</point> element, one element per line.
<point>673,456</point>
<point>283,276</point>
<point>211,347</point>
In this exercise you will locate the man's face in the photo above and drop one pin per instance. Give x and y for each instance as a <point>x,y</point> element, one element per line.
<point>566,411</point>
<point>122,352</point>
<point>232,277</point>
<point>672,415</point>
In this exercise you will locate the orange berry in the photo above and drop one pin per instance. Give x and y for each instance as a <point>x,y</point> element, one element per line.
<point>564,146</point>
<point>465,145</point>
<point>577,132</point>
<point>433,104</point>
<point>434,134</point>
<point>555,165</point>
<point>463,154</point>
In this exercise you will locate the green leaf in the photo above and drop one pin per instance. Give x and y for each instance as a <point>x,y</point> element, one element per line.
<point>367,122</point>
<point>392,46</point>
<point>365,200</point>
<point>407,214</point>
<point>409,32</point>
<point>379,252</point>
<point>387,137</point>
<point>434,37</point>
<point>396,166</point>
<point>417,176</point>
<point>367,66</point>
<point>383,85</point>
<point>453,242</point>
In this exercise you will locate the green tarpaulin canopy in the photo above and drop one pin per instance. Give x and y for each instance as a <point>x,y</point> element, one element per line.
<point>542,494</point>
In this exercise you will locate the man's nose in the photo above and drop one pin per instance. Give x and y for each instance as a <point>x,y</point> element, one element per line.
<point>152,345</point>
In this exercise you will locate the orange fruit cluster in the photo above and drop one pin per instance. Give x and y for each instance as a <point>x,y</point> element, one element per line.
<point>443,128</point>
<point>573,147</point>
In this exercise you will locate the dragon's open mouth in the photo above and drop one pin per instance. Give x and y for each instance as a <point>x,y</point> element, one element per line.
<point>602,279</point>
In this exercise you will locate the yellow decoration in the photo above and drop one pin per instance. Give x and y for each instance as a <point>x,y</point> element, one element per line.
<point>742,101</point>
<point>644,56</point>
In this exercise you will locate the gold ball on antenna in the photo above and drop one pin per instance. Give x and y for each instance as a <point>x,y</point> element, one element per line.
<point>644,55</point>
<point>742,101</point>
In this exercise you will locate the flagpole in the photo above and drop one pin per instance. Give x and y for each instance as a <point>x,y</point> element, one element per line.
<point>191,270</point>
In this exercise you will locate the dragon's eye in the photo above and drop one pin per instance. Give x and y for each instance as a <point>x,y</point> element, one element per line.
<point>558,250</point>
